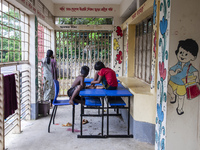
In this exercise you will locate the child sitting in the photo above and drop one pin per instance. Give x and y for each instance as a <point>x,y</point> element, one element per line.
<point>105,75</point>
<point>78,85</point>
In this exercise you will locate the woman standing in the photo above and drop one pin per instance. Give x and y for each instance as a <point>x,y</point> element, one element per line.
<point>50,74</point>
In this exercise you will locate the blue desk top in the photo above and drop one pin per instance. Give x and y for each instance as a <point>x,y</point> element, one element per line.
<point>89,80</point>
<point>93,92</point>
<point>118,93</point>
<point>88,83</point>
<point>121,91</point>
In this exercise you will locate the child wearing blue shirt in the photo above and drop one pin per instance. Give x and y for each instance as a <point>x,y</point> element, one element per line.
<point>187,51</point>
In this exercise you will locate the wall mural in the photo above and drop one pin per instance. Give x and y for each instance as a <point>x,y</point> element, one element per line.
<point>160,139</point>
<point>184,77</point>
<point>117,45</point>
<point>153,63</point>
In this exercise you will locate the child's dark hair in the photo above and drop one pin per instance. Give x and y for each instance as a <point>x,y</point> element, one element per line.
<point>99,65</point>
<point>85,70</point>
<point>189,45</point>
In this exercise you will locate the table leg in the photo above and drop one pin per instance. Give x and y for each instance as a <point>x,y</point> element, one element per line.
<point>107,117</point>
<point>102,116</point>
<point>129,115</point>
<point>81,116</point>
<point>73,114</point>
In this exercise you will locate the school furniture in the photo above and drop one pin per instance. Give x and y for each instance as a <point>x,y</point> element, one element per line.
<point>92,101</point>
<point>57,103</point>
<point>114,101</point>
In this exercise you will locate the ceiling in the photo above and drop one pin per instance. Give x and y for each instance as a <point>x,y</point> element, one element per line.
<point>87,1</point>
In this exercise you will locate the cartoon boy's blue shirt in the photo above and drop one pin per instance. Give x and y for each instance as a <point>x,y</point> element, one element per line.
<point>177,79</point>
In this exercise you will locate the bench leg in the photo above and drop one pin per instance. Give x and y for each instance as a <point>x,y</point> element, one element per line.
<point>107,118</point>
<point>73,115</point>
<point>82,110</point>
<point>129,115</point>
<point>102,116</point>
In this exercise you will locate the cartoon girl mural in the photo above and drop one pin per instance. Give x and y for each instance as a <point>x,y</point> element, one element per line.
<point>182,72</point>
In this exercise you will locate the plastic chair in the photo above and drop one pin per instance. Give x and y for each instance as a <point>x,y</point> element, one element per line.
<point>57,103</point>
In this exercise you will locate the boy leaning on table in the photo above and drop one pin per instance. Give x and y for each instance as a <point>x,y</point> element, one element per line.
<point>78,85</point>
<point>105,75</point>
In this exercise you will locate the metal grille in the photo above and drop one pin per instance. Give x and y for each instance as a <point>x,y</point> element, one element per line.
<point>14,35</point>
<point>77,48</point>
<point>143,50</point>
<point>44,43</point>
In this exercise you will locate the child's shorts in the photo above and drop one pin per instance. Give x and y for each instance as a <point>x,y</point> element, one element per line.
<point>71,91</point>
<point>180,89</point>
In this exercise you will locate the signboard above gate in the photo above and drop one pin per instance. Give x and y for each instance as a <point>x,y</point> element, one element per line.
<point>84,27</point>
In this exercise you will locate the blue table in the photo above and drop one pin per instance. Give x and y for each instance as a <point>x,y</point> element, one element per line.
<point>105,94</point>
<point>92,93</point>
<point>120,92</point>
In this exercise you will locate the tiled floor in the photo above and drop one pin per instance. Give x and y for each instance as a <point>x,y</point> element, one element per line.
<point>36,137</point>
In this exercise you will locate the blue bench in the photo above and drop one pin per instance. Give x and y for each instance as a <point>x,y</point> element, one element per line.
<point>92,101</point>
<point>118,101</point>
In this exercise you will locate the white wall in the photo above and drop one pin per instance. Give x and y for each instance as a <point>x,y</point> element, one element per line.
<point>182,131</point>
<point>49,4</point>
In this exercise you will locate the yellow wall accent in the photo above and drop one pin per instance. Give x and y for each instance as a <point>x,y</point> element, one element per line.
<point>143,103</point>
<point>131,50</point>
<point>144,11</point>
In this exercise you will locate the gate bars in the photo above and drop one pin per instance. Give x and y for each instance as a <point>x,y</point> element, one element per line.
<point>77,48</point>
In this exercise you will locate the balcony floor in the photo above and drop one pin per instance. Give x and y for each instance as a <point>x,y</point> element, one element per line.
<point>35,136</point>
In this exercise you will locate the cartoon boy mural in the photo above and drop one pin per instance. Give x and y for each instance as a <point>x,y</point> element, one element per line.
<point>187,51</point>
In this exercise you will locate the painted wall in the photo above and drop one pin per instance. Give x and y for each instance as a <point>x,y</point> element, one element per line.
<point>86,10</point>
<point>30,9</point>
<point>49,4</point>
<point>162,65</point>
<point>183,114</point>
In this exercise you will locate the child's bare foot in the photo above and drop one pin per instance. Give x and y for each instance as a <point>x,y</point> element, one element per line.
<point>71,102</point>
<point>99,87</point>
<point>90,87</point>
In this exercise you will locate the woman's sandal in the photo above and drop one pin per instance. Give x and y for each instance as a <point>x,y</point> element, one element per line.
<point>67,125</point>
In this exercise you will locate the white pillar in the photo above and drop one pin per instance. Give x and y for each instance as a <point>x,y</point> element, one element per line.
<point>32,51</point>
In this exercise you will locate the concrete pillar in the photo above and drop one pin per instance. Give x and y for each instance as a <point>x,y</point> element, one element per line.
<point>33,67</point>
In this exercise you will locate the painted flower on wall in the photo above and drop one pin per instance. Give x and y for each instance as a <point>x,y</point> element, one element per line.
<point>154,11</point>
<point>162,70</point>
<point>119,57</point>
<point>119,31</point>
<point>116,44</point>
<point>163,25</point>
<point>154,45</point>
<point>160,112</point>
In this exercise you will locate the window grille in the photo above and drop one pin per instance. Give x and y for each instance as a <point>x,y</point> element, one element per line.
<point>143,50</point>
<point>14,35</point>
<point>44,43</point>
<point>44,40</point>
